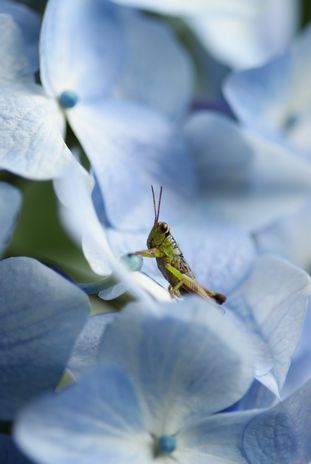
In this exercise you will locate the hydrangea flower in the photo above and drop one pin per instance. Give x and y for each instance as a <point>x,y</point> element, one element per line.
<point>164,373</point>
<point>274,100</point>
<point>10,200</point>
<point>41,315</point>
<point>90,73</point>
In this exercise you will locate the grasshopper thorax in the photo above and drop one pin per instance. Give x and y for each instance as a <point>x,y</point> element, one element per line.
<point>159,232</point>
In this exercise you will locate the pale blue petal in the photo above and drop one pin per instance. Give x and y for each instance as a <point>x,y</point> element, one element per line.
<point>184,358</point>
<point>9,453</point>
<point>131,148</point>
<point>10,202</point>
<point>29,24</point>
<point>244,41</point>
<point>81,48</point>
<point>32,125</point>
<point>213,440</point>
<point>184,7</point>
<point>97,420</point>
<point>282,434</point>
<point>272,302</point>
<point>41,315</point>
<point>158,70</point>
<point>272,184</point>
<point>14,62</point>
<point>84,353</point>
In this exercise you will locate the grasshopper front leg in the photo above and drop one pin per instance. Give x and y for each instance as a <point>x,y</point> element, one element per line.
<point>150,253</point>
<point>192,286</point>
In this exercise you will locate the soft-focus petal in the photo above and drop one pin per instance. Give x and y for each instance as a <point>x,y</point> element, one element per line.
<point>9,453</point>
<point>243,41</point>
<point>170,354</point>
<point>158,71</point>
<point>29,24</point>
<point>41,315</point>
<point>273,302</point>
<point>97,420</point>
<point>84,353</point>
<point>10,201</point>
<point>31,127</point>
<point>80,48</point>
<point>132,147</point>
<point>282,434</point>
<point>13,58</point>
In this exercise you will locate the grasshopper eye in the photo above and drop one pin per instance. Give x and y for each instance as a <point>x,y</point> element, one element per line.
<point>164,227</point>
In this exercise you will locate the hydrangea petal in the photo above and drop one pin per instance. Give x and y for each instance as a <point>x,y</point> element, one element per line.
<point>41,315</point>
<point>176,345</point>
<point>10,202</point>
<point>9,453</point>
<point>81,48</point>
<point>84,353</point>
<point>96,420</point>
<point>117,138</point>
<point>281,434</point>
<point>272,302</point>
<point>158,70</point>
<point>29,24</point>
<point>14,61</point>
<point>31,133</point>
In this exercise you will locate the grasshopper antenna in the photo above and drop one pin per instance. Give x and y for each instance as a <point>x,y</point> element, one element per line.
<point>159,203</point>
<point>154,204</point>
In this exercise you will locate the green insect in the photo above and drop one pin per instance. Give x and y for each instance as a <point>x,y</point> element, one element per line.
<point>170,260</point>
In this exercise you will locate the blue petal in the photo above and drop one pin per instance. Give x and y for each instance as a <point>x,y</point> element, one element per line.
<point>84,353</point>
<point>10,202</point>
<point>185,358</point>
<point>130,136</point>
<point>246,181</point>
<point>272,303</point>
<point>158,70</point>
<point>81,48</point>
<point>14,62</point>
<point>9,453</point>
<point>41,315</point>
<point>281,434</point>
<point>32,125</point>
<point>29,24</point>
<point>97,420</point>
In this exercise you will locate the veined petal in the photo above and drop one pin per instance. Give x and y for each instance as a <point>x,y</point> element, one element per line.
<point>31,127</point>
<point>29,24</point>
<point>10,202</point>
<point>96,420</point>
<point>41,315</point>
<point>272,302</point>
<point>81,48</point>
<point>118,137</point>
<point>14,61</point>
<point>158,70</point>
<point>281,434</point>
<point>183,358</point>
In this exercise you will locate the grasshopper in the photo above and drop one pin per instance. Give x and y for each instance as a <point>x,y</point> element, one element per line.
<point>170,260</point>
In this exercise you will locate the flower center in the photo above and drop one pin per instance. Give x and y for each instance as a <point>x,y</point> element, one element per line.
<point>68,99</point>
<point>167,443</point>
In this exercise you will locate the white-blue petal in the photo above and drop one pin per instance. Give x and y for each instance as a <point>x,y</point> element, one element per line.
<point>131,148</point>
<point>32,128</point>
<point>10,202</point>
<point>29,24</point>
<point>81,48</point>
<point>281,434</point>
<point>185,358</point>
<point>97,420</point>
<point>13,57</point>
<point>41,315</point>
<point>158,70</point>
<point>272,302</point>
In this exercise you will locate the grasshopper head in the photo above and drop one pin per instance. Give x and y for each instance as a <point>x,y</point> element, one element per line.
<point>158,234</point>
